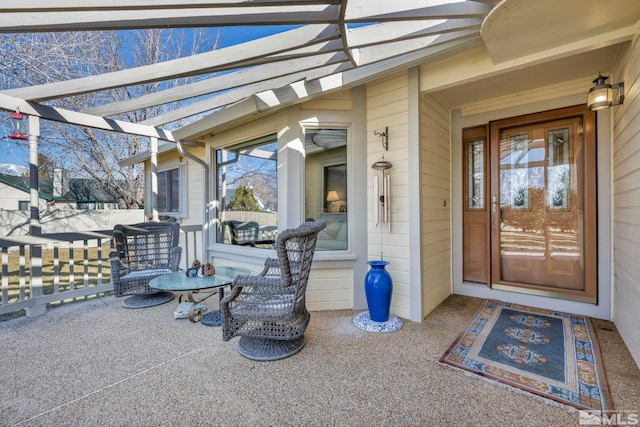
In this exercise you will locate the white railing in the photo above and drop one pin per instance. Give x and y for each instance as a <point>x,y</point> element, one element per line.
<point>60,267</point>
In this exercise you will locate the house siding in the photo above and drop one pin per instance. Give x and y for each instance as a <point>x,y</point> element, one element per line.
<point>626,201</point>
<point>387,106</point>
<point>435,194</point>
<point>10,197</point>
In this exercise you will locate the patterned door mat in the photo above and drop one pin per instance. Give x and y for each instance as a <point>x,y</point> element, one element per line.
<point>548,354</point>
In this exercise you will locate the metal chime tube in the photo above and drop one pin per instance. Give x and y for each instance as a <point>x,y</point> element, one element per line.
<point>382,197</point>
<point>387,200</point>
<point>376,201</point>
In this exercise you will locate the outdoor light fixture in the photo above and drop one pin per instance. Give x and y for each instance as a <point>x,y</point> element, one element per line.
<point>603,95</point>
<point>16,124</point>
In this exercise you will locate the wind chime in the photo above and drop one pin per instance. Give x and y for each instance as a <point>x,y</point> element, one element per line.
<point>382,185</point>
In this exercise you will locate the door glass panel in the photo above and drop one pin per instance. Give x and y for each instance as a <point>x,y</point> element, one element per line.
<point>475,180</point>
<point>541,217</point>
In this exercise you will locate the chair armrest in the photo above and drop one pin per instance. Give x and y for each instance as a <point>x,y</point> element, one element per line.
<point>176,254</point>
<point>118,268</point>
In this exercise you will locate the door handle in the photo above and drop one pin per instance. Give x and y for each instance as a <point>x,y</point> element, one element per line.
<point>494,204</point>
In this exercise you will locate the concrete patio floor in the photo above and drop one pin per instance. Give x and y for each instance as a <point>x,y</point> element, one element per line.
<point>98,364</point>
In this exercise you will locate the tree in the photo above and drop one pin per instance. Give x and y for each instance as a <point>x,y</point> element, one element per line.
<point>244,199</point>
<point>39,58</point>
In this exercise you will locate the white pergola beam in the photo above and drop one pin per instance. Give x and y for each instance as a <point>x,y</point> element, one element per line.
<point>219,83</point>
<point>225,58</point>
<point>165,18</point>
<point>9,103</point>
<point>462,9</point>
<point>71,5</point>
<point>374,34</point>
<point>240,93</point>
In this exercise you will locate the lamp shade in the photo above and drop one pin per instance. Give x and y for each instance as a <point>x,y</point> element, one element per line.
<point>603,95</point>
<point>332,196</point>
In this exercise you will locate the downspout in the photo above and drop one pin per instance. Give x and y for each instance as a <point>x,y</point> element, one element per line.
<point>205,198</point>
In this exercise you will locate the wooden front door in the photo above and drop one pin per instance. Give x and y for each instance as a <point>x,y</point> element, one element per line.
<point>541,206</point>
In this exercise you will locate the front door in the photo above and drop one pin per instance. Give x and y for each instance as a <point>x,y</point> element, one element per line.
<point>542,204</point>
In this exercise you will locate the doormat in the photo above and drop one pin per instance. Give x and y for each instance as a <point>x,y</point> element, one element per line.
<point>548,354</point>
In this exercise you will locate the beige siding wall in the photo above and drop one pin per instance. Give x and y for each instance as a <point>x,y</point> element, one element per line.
<point>626,202</point>
<point>340,101</point>
<point>387,106</point>
<point>435,193</point>
<point>330,289</point>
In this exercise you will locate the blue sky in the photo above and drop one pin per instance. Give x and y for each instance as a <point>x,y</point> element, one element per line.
<point>14,152</point>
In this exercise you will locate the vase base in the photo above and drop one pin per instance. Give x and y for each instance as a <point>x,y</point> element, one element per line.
<point>363,321</point>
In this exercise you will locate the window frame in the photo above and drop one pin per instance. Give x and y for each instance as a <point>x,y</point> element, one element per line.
<point>230,249</point>
<point>181,211</point>
<point>322,165</point>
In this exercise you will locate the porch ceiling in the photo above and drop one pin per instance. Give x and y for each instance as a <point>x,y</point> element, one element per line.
<point>335,44</point>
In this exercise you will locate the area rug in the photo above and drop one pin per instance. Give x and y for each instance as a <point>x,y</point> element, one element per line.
<point>547,354</point>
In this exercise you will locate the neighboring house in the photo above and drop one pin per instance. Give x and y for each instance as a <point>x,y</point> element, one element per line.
<point>59,192</point>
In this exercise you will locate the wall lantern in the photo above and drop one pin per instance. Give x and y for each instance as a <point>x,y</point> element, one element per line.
<point>16,124</point>
<point>603,95</point>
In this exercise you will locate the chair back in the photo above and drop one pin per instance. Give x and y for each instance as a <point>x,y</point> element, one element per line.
<point>243,233</point>
<point>148,245</point>
<point>295,248</point>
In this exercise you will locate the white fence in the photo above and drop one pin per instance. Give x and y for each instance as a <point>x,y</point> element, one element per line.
<point>37,271</point>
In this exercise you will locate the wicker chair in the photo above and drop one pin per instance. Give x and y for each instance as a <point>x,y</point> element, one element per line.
<point>143,251</point>
<point>246,234</point>
<point>268,311</point>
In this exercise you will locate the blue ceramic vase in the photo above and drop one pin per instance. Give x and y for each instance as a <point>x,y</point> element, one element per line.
<point>378,287</point>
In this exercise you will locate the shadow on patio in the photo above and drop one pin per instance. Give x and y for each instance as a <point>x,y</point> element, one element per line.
<point>96,363</point>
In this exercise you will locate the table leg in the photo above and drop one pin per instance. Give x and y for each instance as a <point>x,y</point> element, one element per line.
<point>213,318</point>
<point>195,313</point>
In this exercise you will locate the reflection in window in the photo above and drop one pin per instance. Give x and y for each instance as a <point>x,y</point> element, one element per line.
<point>558,169</point>
<point>169,191</point>
<point>326,185</point>
<point>247,192</point>
<point>476,174</point>
<point>515,158</point>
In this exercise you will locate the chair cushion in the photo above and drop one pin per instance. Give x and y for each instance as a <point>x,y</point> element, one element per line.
<point>140,274</point>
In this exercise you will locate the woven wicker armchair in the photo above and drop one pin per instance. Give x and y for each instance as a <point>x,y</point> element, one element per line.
<point>143,251</point>
<point>268,311</point>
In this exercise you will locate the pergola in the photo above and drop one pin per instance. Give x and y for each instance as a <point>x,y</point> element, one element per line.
<point>334,41</point>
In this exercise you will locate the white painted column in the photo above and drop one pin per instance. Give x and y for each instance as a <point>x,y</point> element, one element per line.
<point>34,201</point>
<point>153,148</point>
<point>35,228</point>
<point>415,229</point>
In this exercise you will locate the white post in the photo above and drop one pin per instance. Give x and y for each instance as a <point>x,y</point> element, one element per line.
<point>154,178</point>
<point>35,228</point>
<point>34,201</point>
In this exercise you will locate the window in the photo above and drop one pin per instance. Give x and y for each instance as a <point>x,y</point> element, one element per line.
<point>326,195</point>
<point>169,191</point>
<point>23,205</point>
<point>247,192</point>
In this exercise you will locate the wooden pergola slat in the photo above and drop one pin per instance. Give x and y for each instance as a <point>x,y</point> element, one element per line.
<point>220,83</point>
